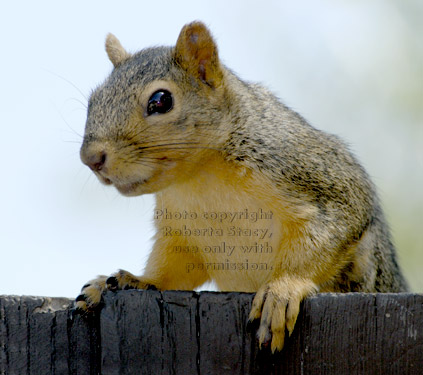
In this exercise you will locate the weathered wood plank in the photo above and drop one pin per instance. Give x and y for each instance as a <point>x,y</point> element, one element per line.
<point>38,336</point>
<point>151,332</point>
<point>334,345</point>
<point>179,312</point>
<point>29,340</point>
<point>399,334</point>
<point>131,333</point>
<point>223,332</point>
<point>60,344</point>
<point>84,345</point>
<point>14,338</point>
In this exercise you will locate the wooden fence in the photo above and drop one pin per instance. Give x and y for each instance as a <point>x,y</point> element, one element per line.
<point>173,332</point>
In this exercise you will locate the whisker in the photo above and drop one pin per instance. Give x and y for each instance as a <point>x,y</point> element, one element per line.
<point>79,102</point>
<point>77,142</point>
<point>153,146</point>
<point>67,123</point>
<point>168,144</point>
<point>161,149</point>
<point>143,163</point>
<point>66,80</point>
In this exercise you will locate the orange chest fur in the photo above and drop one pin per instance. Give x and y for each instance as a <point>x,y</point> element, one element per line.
<point>216,219</point>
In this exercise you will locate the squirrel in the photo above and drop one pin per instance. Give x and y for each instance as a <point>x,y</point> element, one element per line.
<point>248,194</point>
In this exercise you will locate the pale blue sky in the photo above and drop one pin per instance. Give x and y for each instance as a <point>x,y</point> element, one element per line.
<point>348,67</point>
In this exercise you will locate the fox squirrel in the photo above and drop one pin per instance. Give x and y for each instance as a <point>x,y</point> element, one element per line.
<point>248,194</point>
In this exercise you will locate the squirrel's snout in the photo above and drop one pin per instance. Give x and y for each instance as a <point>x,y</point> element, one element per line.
<point>95,160</point>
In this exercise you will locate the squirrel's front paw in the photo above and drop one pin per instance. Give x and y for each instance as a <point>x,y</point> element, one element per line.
<point>92,292</point>
<point>278,305</point>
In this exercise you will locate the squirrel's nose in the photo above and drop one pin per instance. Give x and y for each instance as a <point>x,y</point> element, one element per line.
<point>94,160</point>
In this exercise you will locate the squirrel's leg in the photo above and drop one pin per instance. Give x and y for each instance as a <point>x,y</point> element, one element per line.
<point>307,259</point>
<point>171,265</point>
<point>277,303</point>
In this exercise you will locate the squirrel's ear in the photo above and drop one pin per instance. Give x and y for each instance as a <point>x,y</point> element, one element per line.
<point>196,52</point>
<point>115,51</point>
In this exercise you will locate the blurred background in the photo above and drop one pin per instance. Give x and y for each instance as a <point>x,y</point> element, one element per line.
<point>353,68</point>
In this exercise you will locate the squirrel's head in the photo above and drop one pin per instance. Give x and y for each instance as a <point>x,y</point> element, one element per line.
<point>158,117</point>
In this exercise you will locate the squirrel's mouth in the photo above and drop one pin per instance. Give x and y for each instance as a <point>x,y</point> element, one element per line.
<point>102,179</point>
<point>130,189</point>
<point>127,189</point>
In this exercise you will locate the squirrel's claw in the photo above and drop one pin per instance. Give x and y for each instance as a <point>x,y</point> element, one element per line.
<point>278,304</point>
<point>92,292</point>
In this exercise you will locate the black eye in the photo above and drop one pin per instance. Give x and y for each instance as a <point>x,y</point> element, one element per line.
<point>160,102</point>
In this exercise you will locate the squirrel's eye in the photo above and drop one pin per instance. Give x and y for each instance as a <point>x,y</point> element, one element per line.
<point>160,102</point>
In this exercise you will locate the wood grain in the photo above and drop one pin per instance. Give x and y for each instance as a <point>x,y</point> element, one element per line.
<point>174,332</point>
